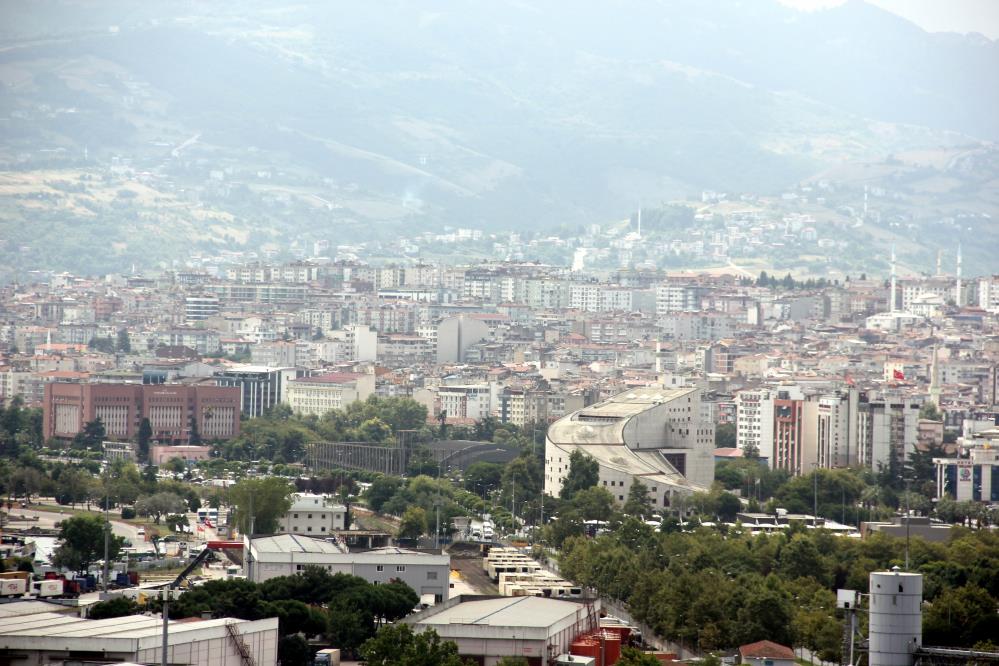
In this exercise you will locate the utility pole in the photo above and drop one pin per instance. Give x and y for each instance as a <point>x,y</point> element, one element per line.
<point>513,505</point>
<point>166,593</point>
<point>107,535</point>
<point>815,494</point>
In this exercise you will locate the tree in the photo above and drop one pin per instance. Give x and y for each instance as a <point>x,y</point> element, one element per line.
<point>520,661</point>
<point>727,506</point>
<point>399,645</point>
<point>929,411</point>
<point>381,490</point>
<point>117,607</point>
<point>413,523</point>
<point>195,438</point>
<point>124,345</point>
<point>725,436</point>
<point>373,430</point>
<point>961,617</point>
<point>92,435</point>
<point>105,344</point>
<point>82,543</point>
<point>638,503</point>
<point>584,472</point>
<point>145,434</point>
<point>73,486</point>
<point>293,650</point>
<point>482,477</point>
<point>160,504</point>
<point>176,521</point>
<point>176,465</point>
<point>632,657</point>
<point>261,502</point>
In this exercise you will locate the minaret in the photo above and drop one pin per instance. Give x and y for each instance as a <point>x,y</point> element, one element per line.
<point>935,377</point>
<point>892,295</point>
<point>639,220</point>
<point>865,202</point>
<point>659,357</point>
<point>959,296</point>
<point>939,263</point>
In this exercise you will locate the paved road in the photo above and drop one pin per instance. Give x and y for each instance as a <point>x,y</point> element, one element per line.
<point>48,519</point>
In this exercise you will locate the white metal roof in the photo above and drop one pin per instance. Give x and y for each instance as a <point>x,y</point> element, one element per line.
<point>506,612</point>
<point>292,543</point>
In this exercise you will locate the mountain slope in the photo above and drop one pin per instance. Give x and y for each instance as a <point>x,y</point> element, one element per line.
<point>517,114</point>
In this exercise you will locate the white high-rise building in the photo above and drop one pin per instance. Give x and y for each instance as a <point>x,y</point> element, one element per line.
<point>887,429</point>
<point>754,425</point>
<point>988,293</point>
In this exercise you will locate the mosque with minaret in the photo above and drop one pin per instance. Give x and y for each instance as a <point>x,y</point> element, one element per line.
<point>915,299</point>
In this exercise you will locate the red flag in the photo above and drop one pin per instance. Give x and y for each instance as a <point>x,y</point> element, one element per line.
<point>897,374</point>
<point>849,380</point>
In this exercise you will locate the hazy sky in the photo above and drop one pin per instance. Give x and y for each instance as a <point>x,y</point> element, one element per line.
<point>980,16</point>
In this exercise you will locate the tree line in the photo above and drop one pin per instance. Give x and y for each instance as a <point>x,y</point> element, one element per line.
<point>717,589</point>
<point>342,610</point>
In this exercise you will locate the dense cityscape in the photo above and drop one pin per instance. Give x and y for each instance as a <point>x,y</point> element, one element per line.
<point>538,335</point>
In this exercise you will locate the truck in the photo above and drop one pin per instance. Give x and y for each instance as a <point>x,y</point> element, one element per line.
<point>52,587</point>
<point>327,657</point>
<point>12,587</point>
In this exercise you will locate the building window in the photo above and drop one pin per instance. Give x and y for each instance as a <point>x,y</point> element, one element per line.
<point>400,567</point>
<point>295,516</point>
<point>379,568</point>
<point>431,575</point>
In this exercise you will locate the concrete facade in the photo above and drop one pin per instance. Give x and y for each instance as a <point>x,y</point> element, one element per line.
<point>653,435</point>
<point>314,515</point>
<point>286,555</point>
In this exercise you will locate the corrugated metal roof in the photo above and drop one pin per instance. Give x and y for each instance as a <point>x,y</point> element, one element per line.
<point>506,612</point>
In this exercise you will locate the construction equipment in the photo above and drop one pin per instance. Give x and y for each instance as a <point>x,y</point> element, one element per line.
<point>209,549</point>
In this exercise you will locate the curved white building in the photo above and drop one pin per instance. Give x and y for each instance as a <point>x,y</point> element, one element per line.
<point>653,434</point>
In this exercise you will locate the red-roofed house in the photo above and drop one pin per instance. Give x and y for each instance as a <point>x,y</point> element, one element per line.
<point>766,653</point>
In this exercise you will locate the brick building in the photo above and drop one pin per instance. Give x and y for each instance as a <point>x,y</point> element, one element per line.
<point>121,407</point>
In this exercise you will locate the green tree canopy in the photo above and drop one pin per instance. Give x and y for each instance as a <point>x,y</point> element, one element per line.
<point>160,504</point>
<point>117,607</point>
<point>399,645</point>
<point>413,524</point>
<point>262,502</point>
<point>632,657</point>
<point>639,503</point>
<point>584,472</point>
<point>82,543</point>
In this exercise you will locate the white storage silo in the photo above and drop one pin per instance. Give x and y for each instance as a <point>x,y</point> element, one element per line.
<point>896,618</point>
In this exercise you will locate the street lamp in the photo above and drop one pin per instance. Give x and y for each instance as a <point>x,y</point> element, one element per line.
<point>815,494</point>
